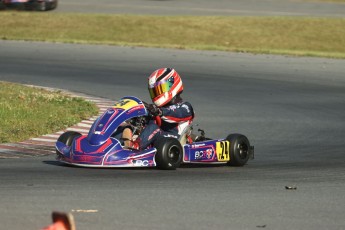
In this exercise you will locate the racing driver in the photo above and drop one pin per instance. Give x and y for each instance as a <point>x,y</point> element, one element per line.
<point>174,115</point>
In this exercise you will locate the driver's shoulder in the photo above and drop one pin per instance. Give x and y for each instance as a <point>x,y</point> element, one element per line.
<point>186,105</point>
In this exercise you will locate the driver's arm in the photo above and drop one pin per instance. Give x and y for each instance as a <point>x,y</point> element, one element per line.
<point>177,113</point>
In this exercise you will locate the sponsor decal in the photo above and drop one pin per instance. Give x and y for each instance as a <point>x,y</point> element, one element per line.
<point>198,155</point>
<point>170,135</point>
<point>143,163</point>
<point>134,109</point>
<point>173,107</point>
<point>186,107</point>
<point>110,111</point>
<point>197,145</point>
<point>87,159</point>
<point>154,133</point>
<point>208,153</point>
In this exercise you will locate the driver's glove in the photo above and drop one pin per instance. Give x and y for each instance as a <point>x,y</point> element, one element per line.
<point>154,110</point>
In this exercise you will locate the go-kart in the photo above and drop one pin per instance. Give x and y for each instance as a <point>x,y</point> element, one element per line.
<point>39,5</point>
<point>101,149</point>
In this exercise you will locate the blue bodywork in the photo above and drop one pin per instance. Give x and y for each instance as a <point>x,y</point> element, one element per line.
<point>100,149</point>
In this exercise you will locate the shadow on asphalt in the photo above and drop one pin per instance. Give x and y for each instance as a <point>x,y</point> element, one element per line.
<point>184,166</point>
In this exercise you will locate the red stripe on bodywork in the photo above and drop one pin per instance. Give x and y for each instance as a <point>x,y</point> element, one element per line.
<point>175,119</point>
<point>106,145</point>
<point>101,149</point>
<point>78,143</point>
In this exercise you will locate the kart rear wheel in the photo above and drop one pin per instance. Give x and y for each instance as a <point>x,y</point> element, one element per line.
<point>239,149</point>
<point>169,153</point>
<point>68,137</point>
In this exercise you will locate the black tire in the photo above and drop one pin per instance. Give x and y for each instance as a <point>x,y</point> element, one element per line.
<point>68,137</point>
<point>169,153</point>
<point>41,6</point>
<point>52,7</point>
<point>239,149</point>
<point>2,5</point>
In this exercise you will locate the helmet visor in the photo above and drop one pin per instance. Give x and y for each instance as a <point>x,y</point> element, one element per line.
<point>162,87</point>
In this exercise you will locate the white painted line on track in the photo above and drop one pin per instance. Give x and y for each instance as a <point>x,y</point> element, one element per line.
<point>87,122</point>
<point>51,135</point>
<point>78,130</point>
<point>43,139</point>
<point>84,125</point>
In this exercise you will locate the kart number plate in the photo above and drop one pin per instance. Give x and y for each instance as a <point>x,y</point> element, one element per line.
<point>223,150</point>
<point>125,104</point>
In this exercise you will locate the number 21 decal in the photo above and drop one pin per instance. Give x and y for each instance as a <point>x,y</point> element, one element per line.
<point>223,150</point>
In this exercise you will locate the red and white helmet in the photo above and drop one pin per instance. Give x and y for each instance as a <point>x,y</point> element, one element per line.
<point>164,85</point>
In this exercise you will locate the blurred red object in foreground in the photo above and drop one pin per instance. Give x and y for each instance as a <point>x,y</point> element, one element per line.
<point>61,221</point>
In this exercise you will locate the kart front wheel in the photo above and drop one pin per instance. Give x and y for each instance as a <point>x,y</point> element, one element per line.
<point>68,137</point>
<point>169,153</point>
<point>240,149</point>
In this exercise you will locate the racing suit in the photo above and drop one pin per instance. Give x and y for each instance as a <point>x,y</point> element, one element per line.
<point>175,118</point>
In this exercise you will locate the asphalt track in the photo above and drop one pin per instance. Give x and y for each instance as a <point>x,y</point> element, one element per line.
<point>292,109</point>
<point>206,7</point>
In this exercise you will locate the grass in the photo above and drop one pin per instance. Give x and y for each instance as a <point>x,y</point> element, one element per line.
<point>323,37</point>
<point>27,112</point>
